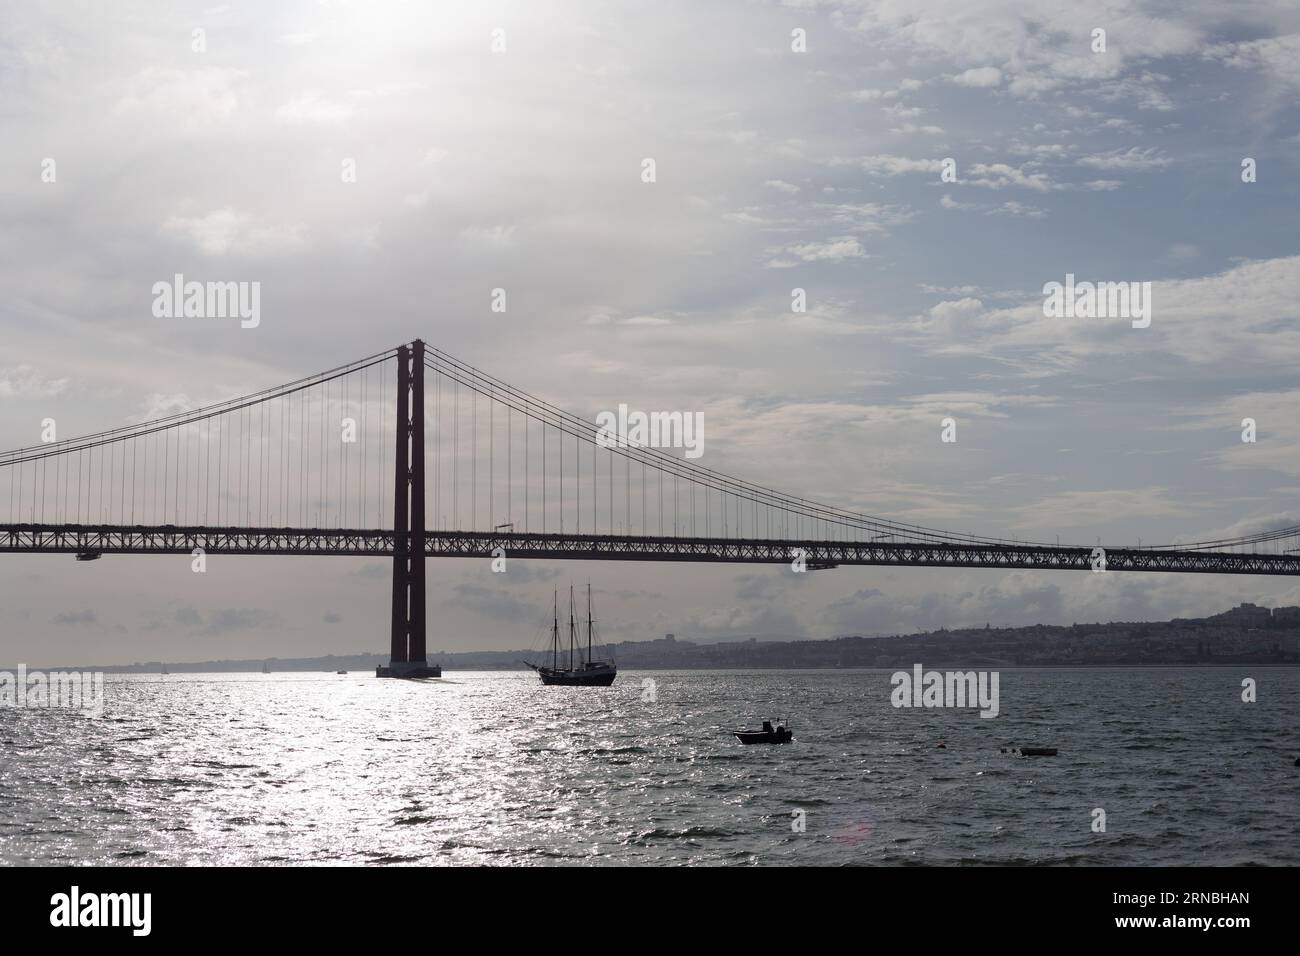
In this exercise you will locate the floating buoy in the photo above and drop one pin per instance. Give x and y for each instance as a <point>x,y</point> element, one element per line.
<point>941,746</point>
<point>1297,761</point>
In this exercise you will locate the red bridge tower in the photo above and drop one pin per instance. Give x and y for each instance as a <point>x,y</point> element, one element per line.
<point>408,657</point>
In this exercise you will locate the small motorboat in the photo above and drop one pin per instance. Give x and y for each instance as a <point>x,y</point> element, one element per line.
<point>780,735</point>
<point>340,672</point>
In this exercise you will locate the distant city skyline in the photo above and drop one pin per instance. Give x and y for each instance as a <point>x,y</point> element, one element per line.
<point>799,148</point>
<point>1242,635</point>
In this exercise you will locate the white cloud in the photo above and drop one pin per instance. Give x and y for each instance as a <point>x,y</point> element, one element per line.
<point>1017,209</point>
<point>888,165</point>
<point>1135,159</point>
<point>982,76</point>
<point>24,381</point>
<point>865,217</point>
<point>1278,56</point>
<point>1040,47</point>
<point>227,229</point>
<point>844,247</point>
<point>196,99</point>
<point>313,107</point>
<point>1244,316</point>
<point>1002,175</point>
<point>956,309</point>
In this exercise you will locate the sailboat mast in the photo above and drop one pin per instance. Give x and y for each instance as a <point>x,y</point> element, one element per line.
<point>570,627</point>
<point>589,621</point>
<point>555,628</point>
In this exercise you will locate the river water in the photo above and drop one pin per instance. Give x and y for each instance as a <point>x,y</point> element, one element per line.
<point>493,768</point>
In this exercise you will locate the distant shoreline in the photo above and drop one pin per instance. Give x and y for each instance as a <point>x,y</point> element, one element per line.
<point>255,667</point>
<point>180,669</point>
<point>1246,635</point>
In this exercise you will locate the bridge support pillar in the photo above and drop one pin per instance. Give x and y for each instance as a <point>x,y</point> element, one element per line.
<point>407,657</point>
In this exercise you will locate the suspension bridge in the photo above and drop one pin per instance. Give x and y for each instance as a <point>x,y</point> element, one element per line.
<point>331,464</point>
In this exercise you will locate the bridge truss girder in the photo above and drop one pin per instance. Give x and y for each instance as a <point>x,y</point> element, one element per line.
<point>168,539</point>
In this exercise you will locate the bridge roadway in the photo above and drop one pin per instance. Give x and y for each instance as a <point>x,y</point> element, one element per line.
<point>95,540</point>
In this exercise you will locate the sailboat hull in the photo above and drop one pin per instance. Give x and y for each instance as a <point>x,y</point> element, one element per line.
<point>596,677</point>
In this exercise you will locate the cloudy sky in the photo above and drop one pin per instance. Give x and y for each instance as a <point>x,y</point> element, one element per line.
<point>776,169</point>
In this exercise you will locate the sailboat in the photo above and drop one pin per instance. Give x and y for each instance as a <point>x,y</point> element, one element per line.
<point>587,672</point>
<point>266,667</point>
<point>164,668</point>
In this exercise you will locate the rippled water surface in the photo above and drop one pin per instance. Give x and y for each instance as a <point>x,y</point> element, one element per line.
<point>494,768</point>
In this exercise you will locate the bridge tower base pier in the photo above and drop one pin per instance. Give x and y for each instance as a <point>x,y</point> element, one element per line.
<point>408,657</point>
<point>408,669</point>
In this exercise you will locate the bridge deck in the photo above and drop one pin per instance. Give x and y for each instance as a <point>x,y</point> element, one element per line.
<point>169,539</point>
